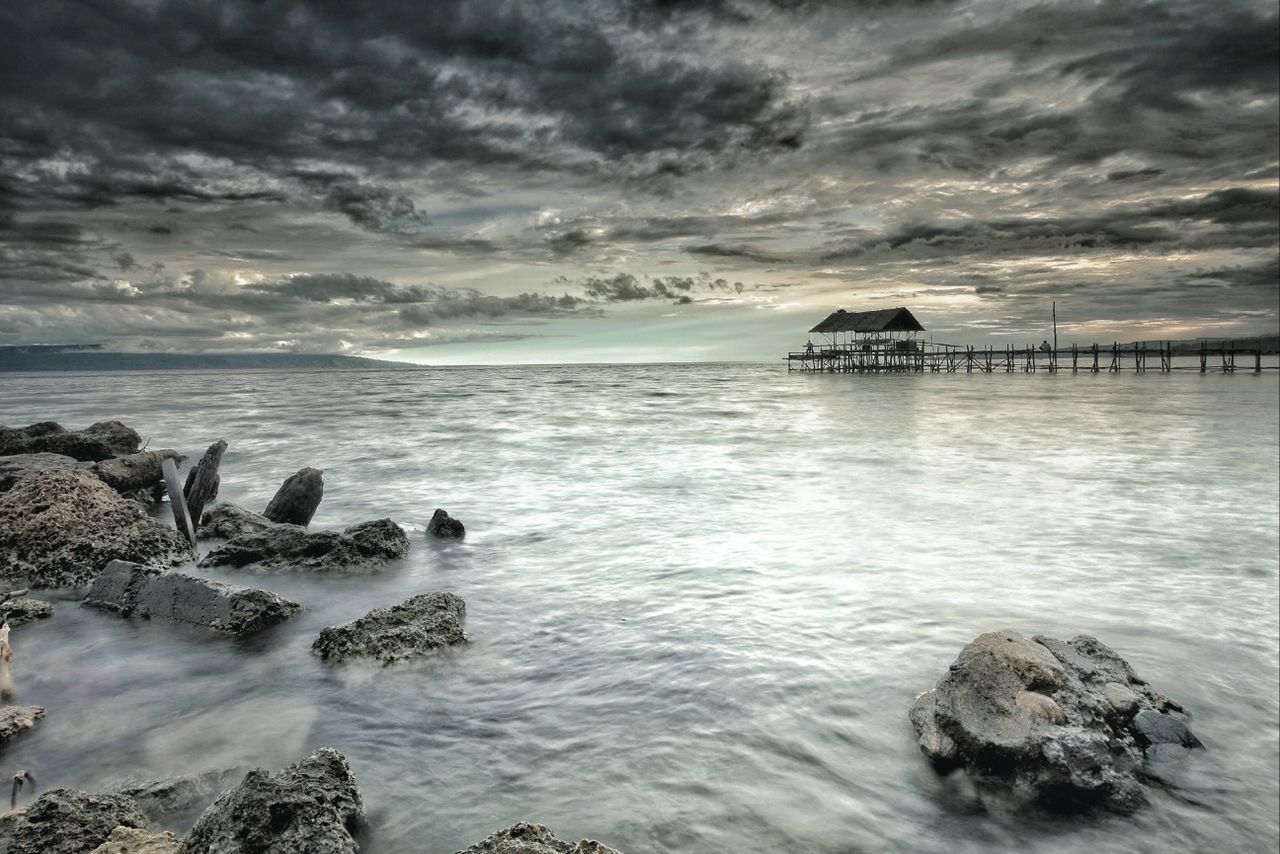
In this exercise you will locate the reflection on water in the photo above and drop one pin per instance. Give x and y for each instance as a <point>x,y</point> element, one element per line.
<point>701,597</point>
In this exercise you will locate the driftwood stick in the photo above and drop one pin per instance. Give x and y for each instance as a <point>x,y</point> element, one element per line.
<point>203,481</point>
<point>177,503</point>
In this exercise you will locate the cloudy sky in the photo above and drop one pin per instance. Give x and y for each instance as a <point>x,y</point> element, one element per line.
<point>475,181</point>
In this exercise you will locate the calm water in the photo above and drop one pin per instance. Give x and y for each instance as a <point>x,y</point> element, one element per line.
<point>701,597</point>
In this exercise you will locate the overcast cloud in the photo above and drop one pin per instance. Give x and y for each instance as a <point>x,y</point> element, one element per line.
<point>413,179</point>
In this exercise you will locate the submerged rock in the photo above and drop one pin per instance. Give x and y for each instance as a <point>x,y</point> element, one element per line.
<point>288,546</point>
<point>1061,724</point>
<point>68,821</point>
<point>19,612</point>
<point>297,498</point>
<point>61,528</point>
<point>224,521</point>
<point>15,720</point>
<point>131,840</point>
<point>312,806</point>
<point>163,798</point>
<point>17,466</point>
<point>130,589</point>
<point>414,627</point>
<point>444,525</point>
<point>527,838</point>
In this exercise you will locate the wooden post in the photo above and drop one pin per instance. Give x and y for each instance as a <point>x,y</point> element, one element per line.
<point>203,481</point>
<point>1257,361</point>
<point>177,502</point>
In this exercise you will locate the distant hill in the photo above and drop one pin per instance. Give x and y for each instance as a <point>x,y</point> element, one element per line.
<point>88,357</point>
<point>1268,344</point>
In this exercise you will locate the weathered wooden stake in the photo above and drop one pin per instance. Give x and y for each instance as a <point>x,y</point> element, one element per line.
<point>177,502</point>
<point>203,481</point>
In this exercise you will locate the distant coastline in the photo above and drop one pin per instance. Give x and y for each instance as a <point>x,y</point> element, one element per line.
<point>82,357</point>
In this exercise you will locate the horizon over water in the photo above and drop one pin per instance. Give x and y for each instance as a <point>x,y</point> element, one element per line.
<point>701,597</point>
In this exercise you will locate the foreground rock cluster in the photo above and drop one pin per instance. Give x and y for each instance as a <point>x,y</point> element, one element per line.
<point>1066,725</point>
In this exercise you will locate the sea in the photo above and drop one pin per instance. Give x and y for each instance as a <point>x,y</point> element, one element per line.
<point>700,597</point>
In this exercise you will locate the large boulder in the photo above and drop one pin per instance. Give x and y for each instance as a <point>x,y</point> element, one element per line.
<point>312,806</point>
<point>99,441</point>
<point>1065,725</point>
<point>135,471</point>
<point>224,521</point>
<point>131,840</point>
<point>18,719</point>
<point>527,838</point>
<point>68,821</point>
<point>367,544</point>
<point>414,627</point>
<point>297,498</point>
<point>133,590</point>
<point>19,612</point>
<point>17,466</point>
<point>61,528</point>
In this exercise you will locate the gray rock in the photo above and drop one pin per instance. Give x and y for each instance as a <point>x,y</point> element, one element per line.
<point>224,521</point>
<point>162,799</point>
<point>15,720</point>
<point>367,544</point>
<point>414,627</point>
<point>99,441</point>
<point>19,612</point>
<point>131,840</point>
<point>14,468</point>
<point>67,821</point>
<point>526,838</point>
<point>444,525</point>
<point>313,806</point>
<point>297,499</point>
<point>61,528</point>
<point>134,472</point>
<point>1046,721</point>
<point>130,589</point>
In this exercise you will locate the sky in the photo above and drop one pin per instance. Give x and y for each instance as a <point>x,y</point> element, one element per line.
<point>466,181</point>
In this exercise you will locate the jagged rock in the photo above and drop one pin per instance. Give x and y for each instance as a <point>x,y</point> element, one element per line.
<point>68,821</point>
<point>203,480</point>
<point>527,838</point>
<point>135,472</point>
<point>163,798</point>
<point>312,806</point>
<point>15,720</point>
<point>99,441</point>
<point>14,468</point>
<point>364,545</point>
<point>414,627</point>
<point>444,525</point>
<point>1060,724</point>
<point>297,498</point>
<point>130,840</point>
<point>130,589</point>
<point>224,521</point>
<point>19,612</point>
<point>61,528</point>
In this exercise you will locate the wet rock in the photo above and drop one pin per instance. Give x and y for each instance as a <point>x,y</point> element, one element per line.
<point>367,544</point>
<point>297,499</point>
<point>19,612</point>
<point>14,468</point>
<point>131,840</point>
<point>67,821</point>
<point>527,838</point>
<point>15,720</point>
<point>61,528</point>
<point>444,525</point>
<point>135,472</point>
<point>415,627</point>
<point>224,521</point>
<point>1040,720</point>
<point>312,806</point>
<point>130,589</point>
<point>164,798</point>
<point>99,441</point>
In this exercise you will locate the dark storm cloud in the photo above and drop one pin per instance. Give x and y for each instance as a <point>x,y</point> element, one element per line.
<point>627,287</point>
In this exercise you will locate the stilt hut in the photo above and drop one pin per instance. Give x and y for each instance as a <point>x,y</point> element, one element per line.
<point>887,339</point>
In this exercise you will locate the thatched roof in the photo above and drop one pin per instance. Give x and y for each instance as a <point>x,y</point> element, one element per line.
<point>885,320</point>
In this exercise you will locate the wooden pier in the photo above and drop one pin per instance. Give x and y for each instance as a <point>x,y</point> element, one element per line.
<point>913,356</point>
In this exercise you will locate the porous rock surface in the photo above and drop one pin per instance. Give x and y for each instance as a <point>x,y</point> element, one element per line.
<point>527,838</point>
<point>313,806</point>
<point>18,719</point>
<point>130,589</point>
<point>135,471</point>
<point>297,498</point>
<point>19,612</point>
<point>61,528</point>
<point>99,441</point>
<point>1065,725</point>
<point>15,467</point>
<point>225,520</point>
<point>132,840</point>
<point>414,627</point>
<point>367,544</point>
<point>445,526</point>
<point>68,821</point>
